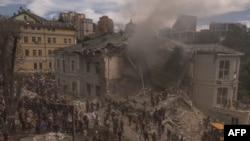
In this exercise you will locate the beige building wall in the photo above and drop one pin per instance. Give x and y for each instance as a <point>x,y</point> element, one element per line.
<point>38,40</point>
<point>207,81</point>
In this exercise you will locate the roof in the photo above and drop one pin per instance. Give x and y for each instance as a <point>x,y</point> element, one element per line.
<point>40,21</point>
<point>97,44</point>
<point>207,48</point>
<point>28,12</point>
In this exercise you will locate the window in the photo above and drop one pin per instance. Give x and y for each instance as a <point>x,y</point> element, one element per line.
<point>54,40</point>
<point>69,40</point>
<point>63,65</point>
<point>39,40</point>
<point>38,28</point>
<point>33,28</point>
<point>88,88</point>
<point>58,63</point>
<point>40,66</point>
<point>72,65</point>
<point>48,29</point>
<point>35,66</point>
<point>50,65</point>
<point>34,53</point>
<point>235,121</point>
<point>88,66</point>
<point>222,96</point>
<point>58,82</point>
<point>98,90</point>
<point>74,86</point>
<point>53,29</point>
<point>65,41</point>
<point>33,39</point>
<point>27,52</point>
<point>39,52</point>
<point>224,69</point>
<point>49,52</point>
<point>97,67</point>
<point>234,94</point>
<point>26,39</point>
<point>49,40</point>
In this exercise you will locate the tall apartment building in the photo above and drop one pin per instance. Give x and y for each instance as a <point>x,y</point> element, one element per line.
<point>88,27</point>
<point>39,37</point>
<point>223,28</point>
<point>105,25</point>
<point>75,19</point>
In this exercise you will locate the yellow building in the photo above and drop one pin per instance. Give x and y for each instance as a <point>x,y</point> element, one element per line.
<point>39,37</point>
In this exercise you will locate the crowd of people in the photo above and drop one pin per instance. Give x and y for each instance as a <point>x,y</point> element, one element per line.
<point>101,121</point>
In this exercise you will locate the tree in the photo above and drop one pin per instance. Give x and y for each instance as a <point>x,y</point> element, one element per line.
<point>204,37</point>
<point>9,36</point>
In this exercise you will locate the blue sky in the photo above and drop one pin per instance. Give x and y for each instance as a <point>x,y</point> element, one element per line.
<point>163,11</point>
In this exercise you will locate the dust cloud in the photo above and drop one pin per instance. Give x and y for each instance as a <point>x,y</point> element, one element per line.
<point>150,16</point>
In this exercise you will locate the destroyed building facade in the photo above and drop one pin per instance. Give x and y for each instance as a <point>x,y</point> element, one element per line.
<point>88,69</point>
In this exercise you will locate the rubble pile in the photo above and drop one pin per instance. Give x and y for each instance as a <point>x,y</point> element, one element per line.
<point>181,117</point>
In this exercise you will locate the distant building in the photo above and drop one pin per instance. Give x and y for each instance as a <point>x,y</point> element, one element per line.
<point>222,29</point>
<point>39,37</point>
<point>88,27</point>
<point>130,27</point>
<point>185,23</point>
<point>75,19</point>
<point>183,29</point>
<point>105,25</point>
<point>89,69</point>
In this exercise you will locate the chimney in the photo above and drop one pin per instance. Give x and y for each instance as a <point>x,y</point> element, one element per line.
<point>14,14</point>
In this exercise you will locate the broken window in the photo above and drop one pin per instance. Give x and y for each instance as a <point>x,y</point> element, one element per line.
<point>27,52</point>
<point>74,86</point>
<point>72,65</point>
<point>88,67</point>
<point>34,53</point>
<point>58,82</point>
<point>224,69</point>
<point>58,64</point>
<point>26,39</point>
<point>222,96</point>
<point>40,53</point>
<point>50,65</point>
<point>40,66</point>
<point>97,67</point>
<point>35,66</point>
<point>63,65</point>
<point>98,90</point>
<point>235,121</point>
<point>88,88</point>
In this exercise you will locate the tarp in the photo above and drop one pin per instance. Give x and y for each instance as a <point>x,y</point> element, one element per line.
<point>52,137</point>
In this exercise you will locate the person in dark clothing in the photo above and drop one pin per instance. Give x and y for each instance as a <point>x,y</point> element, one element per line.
<point>146,135</point>
<point>154,136</point>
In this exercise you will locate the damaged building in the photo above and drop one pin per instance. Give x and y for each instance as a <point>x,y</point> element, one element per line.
<point>206,73</point>
<point>87,69</point>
